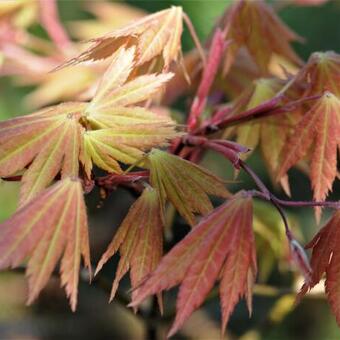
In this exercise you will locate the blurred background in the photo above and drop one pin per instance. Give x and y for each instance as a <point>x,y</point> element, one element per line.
<point>25,86</point>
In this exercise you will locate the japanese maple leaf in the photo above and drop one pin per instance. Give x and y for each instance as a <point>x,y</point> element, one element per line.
<point>139,241</point>
<point>318,129</point>
<point>47,142</point>
<point>326,260</point>
<point>108,130</point>
<point>156,35</point>
<point>221,247</point>
<point>185,184</point>
<point>50,227</point>
<point>316,136</point>
<point>254,25</point>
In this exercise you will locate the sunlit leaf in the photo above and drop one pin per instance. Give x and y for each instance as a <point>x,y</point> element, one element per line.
<point>139,241</point>
<point>48,141</point>
<point>124,144</point>
<point>156,35</point>
<point>185,184</point>
<point>222,241</point>
<point>254,25</point>
<point>49,227</point>
<point>326,260</point>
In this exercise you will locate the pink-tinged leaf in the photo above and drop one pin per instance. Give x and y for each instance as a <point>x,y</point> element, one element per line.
<point>185,184</point>
<point>139,241</point>
<point>324,158</point>
<point>48,139</point>
<point>319,127</point>
<point>156,35</point>
<point>255,26</point>
<point>49,225</point>
<point>239,270</point>
<point>196,262</point>
<point>77,246</point>
<point>326,259</point>
<point>60,152</point>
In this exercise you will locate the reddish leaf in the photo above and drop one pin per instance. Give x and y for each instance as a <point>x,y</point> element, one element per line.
<point>156,35</point>
<point>52,224</point>
<point>319,127</point>
<point>222,240</point>
<point>254,25</point>
<point>326,259</point>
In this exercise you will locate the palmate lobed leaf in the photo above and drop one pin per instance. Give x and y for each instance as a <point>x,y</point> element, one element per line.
<point>254,25</point>
<point>51,226</point>
<point>326,260</point>
<point>222,242</point>
<point>47,141</point>
<point>185,184</point>
<point>156,35</point>
<point>320,128</point>
<point>108,130</point>
<point>139,241</point>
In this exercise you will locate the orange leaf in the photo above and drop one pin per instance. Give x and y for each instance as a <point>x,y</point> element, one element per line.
<point>223,239</point>
<point>49,139</point>
<point>319,127</point>
<point>326,259</point>
<point>254,25</point>
<point>156,35</point>
<point>41,230</point>
<point>139,241</point>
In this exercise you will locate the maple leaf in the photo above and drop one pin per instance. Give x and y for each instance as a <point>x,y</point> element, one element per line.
<point>54,139</point>
<point>48,141</point>
<point>51,226</point>
<point>254,25</point>
<point>139,241</point>
<point>222,243</point>
<point>326,260</point>
<point>185,184</point>
<point>156,35</point>
<point>319,127</point>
